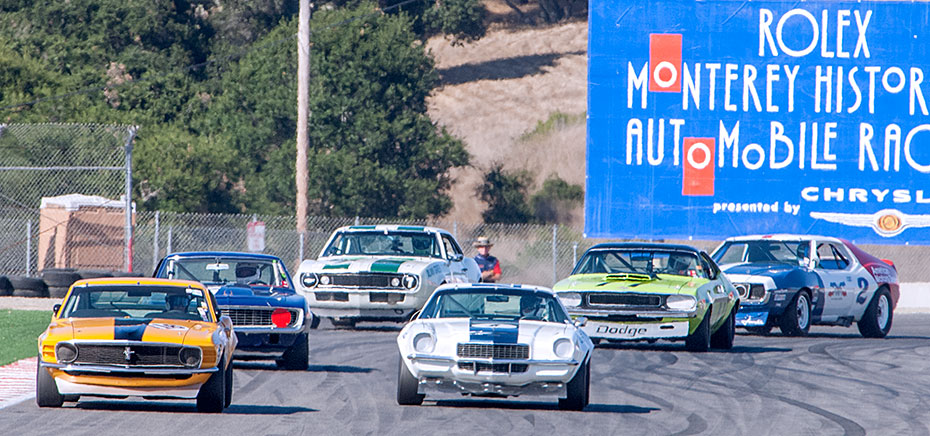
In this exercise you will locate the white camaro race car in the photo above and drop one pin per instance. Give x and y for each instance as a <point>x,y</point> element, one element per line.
<point>494,340</point>
<point>382,273</point>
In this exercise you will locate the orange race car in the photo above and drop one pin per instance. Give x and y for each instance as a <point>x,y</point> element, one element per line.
<point>121,337</point>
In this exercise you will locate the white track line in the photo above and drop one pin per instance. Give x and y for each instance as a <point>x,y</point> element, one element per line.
<point>17,382</point>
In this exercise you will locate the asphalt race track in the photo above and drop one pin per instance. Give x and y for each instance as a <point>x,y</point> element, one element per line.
<point>833,382</point>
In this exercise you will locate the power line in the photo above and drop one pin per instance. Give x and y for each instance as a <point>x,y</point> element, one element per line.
<point>207,63</point>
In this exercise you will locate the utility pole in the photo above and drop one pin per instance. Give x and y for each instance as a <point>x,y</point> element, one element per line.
<point>303,114</point>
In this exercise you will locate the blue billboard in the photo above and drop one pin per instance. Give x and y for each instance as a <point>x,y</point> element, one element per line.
<point>709,119</point>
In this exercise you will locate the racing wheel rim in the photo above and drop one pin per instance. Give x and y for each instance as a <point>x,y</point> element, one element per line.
<point>882,312</point>
<point>803,310</point>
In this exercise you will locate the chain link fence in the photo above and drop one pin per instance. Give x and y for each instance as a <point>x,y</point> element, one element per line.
<point>60,186</point>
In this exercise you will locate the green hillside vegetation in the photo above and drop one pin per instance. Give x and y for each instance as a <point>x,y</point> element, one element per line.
<point>213,90</point>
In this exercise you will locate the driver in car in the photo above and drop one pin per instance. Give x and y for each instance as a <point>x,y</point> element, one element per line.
<point>531,307</point>
<point>247,273</point>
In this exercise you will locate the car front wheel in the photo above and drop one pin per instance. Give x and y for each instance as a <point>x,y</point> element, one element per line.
<point>699,341</point>
<point>212,395</point>
<point>723,337</point>
<point>579,389</point>
<point>47,394</point>
<point>407,387</point>
<point>796,321</point>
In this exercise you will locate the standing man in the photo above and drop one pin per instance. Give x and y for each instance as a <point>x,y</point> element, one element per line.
<point>490,267</point>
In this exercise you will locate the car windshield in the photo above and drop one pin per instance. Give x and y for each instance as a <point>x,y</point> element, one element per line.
<point>384,243</point>
<point>641,261</point>
<point>765,251</point>
<point>494,304</point>
<point>137,301</point>
<point>222,271</point>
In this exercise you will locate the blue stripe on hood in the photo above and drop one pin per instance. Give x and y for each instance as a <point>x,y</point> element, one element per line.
<point>129,329</point>
<point>494,331</point>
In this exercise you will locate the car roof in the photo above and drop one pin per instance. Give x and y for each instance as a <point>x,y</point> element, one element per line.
<point>496,286</point>
<point>646,245</point>
<point>392,227</point>
<point>139,281</point>
<point>235,254</point>
<point>783,237</point>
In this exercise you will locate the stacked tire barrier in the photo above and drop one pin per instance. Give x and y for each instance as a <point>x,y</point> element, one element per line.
<point>53,282</point>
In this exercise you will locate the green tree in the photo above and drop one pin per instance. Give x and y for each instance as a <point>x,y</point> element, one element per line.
<point>505,194</point>
<point>374,151</point>
<point>554,201</point>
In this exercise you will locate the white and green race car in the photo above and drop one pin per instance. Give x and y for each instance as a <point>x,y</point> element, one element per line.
<point>382,272</point>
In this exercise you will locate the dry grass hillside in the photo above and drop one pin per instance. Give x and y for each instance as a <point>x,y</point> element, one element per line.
<point>500,88</point>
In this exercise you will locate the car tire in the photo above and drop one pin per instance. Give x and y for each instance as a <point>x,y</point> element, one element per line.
<point>93,274</point>
<point>876,321</point>
<point>699,341</point>
<point>6,288</point>
<point>47,394</point>
<point>59,278</point>
<point>57,292</point>
<point>228,387</point>
<point>212,395</point>
<point>407,387</point>
<point>723,337</point>
<point>28,287</point>
<point>796,320</point>
<point>297,358</point>
<point>314,321</point>
<point>578,389</point>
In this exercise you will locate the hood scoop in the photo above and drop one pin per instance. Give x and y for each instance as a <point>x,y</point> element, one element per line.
<point>628,276</point>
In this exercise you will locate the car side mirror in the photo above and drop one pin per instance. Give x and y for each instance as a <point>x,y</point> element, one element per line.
<point>456,257</point>
<point>580,321</point>
<point>55,309</point>
<point>226,321</point>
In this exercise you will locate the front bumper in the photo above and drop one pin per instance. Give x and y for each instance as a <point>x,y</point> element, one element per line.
<point>259,346</point>
<point>365,303</point>
<point>632,325</point>
<point>760,313</point>
<point>447,374</point>
<point>101,380</point>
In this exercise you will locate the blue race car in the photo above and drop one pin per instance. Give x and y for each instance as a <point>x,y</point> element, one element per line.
<point>794,281</point>
<point>270,318</point>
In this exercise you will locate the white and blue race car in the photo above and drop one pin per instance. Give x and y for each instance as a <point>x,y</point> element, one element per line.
<point>494,340</point>
<point>793,281</point>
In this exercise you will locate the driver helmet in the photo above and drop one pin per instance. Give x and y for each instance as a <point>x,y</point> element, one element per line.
<point>247,273</point>
<point>530,305</point>
<point>178,302</point>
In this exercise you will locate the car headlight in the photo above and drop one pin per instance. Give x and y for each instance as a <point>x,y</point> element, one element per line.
<point>65,352</point>
<point>563,348</point>
<point>395,282</point>
<point>309,279</point>
<point>680,302</point>
<point>324,280</point>
<point>190,356</point>
<point>424,342</point>
<point>410,281</point>
<point>570,299</point>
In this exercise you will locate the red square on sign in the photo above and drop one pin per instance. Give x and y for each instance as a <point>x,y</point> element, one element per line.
<point>698,163</point>
<point>664,62</point>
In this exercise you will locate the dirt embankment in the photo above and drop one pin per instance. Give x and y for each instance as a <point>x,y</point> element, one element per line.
<point>498,88</point>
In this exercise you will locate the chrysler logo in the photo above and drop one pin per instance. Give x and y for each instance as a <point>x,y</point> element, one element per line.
<point>128,353</point>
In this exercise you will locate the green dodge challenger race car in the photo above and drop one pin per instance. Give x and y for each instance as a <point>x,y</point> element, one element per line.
<point>650,291</point>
